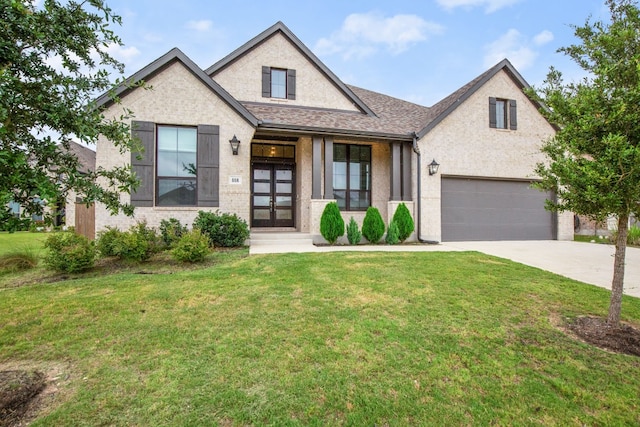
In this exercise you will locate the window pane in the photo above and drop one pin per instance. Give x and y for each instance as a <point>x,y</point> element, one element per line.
<point>289,151</point>
<point>167,138</point>
<point>354,176</point>
<point>278,83</point>
<point>284,175</point>
<point>262,174</point>
<point>167,163</point>
<point>186,165</point>
<point>176,192</point>
<point>261,187</point>
<point>501,114</point>
<point>261,214</point>
<point>340,175</point>
<point>261,200</point>
<point>283,201</point>
<point>283,214</point>
<point>283,187</point>
<point>339,153</point>
<point>187,139</point>
<point>341,198</point>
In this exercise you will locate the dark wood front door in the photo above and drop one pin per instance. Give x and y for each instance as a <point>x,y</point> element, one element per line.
<point>272,195</point>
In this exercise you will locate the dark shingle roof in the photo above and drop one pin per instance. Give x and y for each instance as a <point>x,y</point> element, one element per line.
<point>86,156</point>
<point>394,118</point>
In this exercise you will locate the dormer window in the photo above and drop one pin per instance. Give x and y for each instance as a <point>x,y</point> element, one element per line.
<point>278,83</point>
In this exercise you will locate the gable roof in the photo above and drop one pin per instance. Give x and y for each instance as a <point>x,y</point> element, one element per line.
<point>446,106</point>
<point>175,55</point>
<point>279,27</point>
<point>86,157</point>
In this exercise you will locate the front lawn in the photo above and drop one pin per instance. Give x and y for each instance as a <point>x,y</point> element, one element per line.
<point>322,339</point>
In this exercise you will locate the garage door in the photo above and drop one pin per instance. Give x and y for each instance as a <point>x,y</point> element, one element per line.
<point>482,209</point>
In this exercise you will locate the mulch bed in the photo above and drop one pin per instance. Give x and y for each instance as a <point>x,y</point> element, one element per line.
<point>595,330</point>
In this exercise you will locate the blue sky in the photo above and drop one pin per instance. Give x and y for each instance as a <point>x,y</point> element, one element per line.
<point>418,50</point>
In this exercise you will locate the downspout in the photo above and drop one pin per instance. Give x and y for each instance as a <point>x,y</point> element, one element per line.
<point>416,150</point>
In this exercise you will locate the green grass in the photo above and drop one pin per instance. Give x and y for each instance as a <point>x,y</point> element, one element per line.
<point>9,242</point>
<point>324,339</point>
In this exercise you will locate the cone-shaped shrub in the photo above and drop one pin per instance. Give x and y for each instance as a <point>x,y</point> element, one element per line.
<point>403,220</point>
<point>353,233</point>
<point>373,225</point>
<point>331,223</point>
<point>392,234</point>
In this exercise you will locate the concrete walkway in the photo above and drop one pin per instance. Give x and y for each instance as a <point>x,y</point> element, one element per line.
<point>586,262</point>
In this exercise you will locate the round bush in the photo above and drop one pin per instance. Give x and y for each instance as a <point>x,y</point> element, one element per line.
<point>223,229</point>
<point>133,246</point>
<point>353,233</point>
<point>193,246</point>
<point>171,230</point>
<point>69,252</point>
<point>108,240</point>
<point>373,225</point>
<point>392,234</point>
<point>402,218</point>
<point>331,223</point>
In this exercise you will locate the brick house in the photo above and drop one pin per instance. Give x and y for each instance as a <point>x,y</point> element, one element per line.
<point>306,138</point>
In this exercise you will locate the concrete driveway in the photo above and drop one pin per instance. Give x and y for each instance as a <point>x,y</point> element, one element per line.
<point>587,262</point>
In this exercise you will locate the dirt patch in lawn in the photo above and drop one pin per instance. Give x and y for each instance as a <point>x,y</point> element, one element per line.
<point>29,390</point>
<point>595,330</point>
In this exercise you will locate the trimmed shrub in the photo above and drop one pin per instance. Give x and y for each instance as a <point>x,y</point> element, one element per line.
<point>392,234</point>
<point>223,229</point>
<point>150,235</point>
<point>331,223</point>
<point>402,218</point>
<point>171,230</point>
<point>373,225</point>
<point>108,241</point>
<point>133,247</point>
<point>353,233</point>
<point>69,252</point>
<point>193,246</point>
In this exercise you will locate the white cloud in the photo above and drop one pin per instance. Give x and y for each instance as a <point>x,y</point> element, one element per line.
<point>543,38</point>
<point>362,34</point>
<point>121,53</point>
<point>202,25</point>
<point>489,5</point>
<point>513,46</point>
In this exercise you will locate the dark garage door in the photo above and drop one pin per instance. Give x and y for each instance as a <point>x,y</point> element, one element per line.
<point>483,209</point>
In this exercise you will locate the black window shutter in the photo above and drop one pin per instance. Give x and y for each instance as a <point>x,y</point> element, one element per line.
<point>208,165</point>
<point>492,113</point>
<point>266,82</point>
<point>142,163</point>
<point>513,115</point>
<point>291,84</point>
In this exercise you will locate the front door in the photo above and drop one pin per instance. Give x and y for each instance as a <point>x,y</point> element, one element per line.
<point>272,195</point>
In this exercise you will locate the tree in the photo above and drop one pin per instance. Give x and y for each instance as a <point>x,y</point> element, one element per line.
<point>54,61</point>
<point>594,158</point>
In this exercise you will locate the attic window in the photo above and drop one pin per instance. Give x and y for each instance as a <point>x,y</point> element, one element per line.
<point>503,114</point>
<point>278,83</point>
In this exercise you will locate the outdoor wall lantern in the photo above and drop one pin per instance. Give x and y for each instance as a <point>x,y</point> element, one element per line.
<point>235,144</point>
<point>433,167</point>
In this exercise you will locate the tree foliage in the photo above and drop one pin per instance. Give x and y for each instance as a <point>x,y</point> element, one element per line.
<point>402,218</point>
<point>594,158</point>
<point>54,61</point>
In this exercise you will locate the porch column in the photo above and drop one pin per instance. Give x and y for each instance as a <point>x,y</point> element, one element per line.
<point>328,167</point>
<point>406,172</point>
<point>316,180</point>
<point>395,173</point>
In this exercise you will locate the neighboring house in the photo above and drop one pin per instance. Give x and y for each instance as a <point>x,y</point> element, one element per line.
<point>76,213</point>
<point>87,162</point>
<point>307,138</point>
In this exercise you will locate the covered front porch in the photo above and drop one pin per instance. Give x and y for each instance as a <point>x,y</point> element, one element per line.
<point>293,178</point>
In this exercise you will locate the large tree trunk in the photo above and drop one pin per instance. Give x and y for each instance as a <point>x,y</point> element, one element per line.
<point>617,285</point>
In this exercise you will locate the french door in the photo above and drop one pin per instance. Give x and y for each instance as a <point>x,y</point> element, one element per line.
<point>272,195</point>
